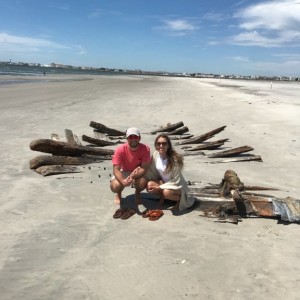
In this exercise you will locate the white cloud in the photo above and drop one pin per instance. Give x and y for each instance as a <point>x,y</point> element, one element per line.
<point>178,27</point>
<point>240,58</point>
<point>269,24</point>
<point>13,41</point>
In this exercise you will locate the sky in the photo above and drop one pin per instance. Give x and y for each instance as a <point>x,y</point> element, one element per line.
<point>246,37</point>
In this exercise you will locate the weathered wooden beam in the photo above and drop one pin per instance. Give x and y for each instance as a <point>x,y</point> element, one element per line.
<point>104,129</point>
<point>260,206</point>
<point>54,170</point>
<point>180,130</point>
<point>45,160</point>
<point>237,159</point>
<point>207,146</point>
<point>66,149</point>
<point>70,137</point>
<point>180,137</point>
<point>203,137</point>
<point>259,188</point>
<point>231,152</point>
<point>193,153</point>
<point>168,128</point>
<point>97,142</point>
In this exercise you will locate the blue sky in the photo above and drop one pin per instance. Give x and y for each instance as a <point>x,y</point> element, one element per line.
<point>245,37</point>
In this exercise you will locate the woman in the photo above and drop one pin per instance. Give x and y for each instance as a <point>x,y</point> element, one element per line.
<point>164,174</point>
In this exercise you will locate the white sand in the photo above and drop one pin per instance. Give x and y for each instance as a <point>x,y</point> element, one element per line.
<point>58,238</point>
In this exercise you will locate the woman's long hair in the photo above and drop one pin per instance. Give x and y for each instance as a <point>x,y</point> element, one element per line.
<point>173,156</point>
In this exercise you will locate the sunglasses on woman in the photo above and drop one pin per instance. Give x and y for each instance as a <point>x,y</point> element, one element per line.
<point>161,144</point>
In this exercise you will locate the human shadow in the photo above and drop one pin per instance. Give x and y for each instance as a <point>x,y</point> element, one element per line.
<point>151,202</point>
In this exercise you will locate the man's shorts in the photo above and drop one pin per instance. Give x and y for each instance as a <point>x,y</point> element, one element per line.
<point>124,173</point>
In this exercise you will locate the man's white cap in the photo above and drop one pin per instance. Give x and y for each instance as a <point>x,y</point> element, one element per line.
<point>133,131</point>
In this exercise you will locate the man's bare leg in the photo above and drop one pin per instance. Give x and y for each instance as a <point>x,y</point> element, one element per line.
<point>117,188</point>
<point>138,198</point>
<point>118,198</point>
<point>140,184</point>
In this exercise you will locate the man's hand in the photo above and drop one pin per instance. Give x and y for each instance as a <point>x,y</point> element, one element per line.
<point>135,173</point>
<point>127,181</point>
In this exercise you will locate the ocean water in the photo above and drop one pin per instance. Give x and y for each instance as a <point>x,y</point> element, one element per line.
<point>37,71</point>
<point>12,74</point>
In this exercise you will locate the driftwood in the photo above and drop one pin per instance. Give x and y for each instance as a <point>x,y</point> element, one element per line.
<point>237,159</point>
<point>65,149</point>
<point>109,131</point>
<point>209,145</point>
<point>168,128</point>
<point>231,152</point>
<point>97,142</point>
<point>70,137</point>
<point>253,205</point>
<point>180,130</point>
<point>54,170</point>
<point>46,160</point>
<point>180,137</point>
<point>191,153</point>
<point>203,137</point>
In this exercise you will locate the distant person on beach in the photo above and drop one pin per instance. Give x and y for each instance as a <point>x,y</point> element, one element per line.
<point>165,175</point>
<point>130,163</point>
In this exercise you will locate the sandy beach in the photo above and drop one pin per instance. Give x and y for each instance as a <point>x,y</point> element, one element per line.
<point>58,239</point>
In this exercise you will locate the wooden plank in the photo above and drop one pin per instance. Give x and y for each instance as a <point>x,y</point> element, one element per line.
<point>207,146</point>
<point>203,137</point>
<point>54,170</point>
<point>180,130</point>
<point>168,128</point>
<point>70,137</point>
<point>104,129</point>
<point>45,160</point>
<point>97,142</point>
<point>66,149</point>
<point>231,152</point>
<point>180,137</point>
<point>237,159</point>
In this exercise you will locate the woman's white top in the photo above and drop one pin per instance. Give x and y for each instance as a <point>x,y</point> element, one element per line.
<point>161,165</point>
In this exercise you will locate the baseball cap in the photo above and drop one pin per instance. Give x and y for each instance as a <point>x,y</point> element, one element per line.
<point>133,131</point>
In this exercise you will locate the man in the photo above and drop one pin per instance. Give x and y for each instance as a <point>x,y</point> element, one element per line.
<point>130,162</point>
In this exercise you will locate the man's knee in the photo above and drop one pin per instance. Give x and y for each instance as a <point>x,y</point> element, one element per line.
<point>115,186</point>
<point>140,183</point>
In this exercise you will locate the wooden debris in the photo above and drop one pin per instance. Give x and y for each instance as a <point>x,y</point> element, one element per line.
<point>203,137</point>
<point>168,128</point>
<point>231,152</point>
<point>180,137</point>
<point>54,170</point>
<point>259,188</point>
<point>45,160</point>
<point>70,137</point>
<point>97,142</point>
<point>209,145</point>
<point>109,131</point>
<point>237,159</point>
<point>180,130</point>
<point>55,137</point>
<point>66,149</point>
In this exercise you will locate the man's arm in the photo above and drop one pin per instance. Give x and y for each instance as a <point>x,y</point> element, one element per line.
<point>140,171</point>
